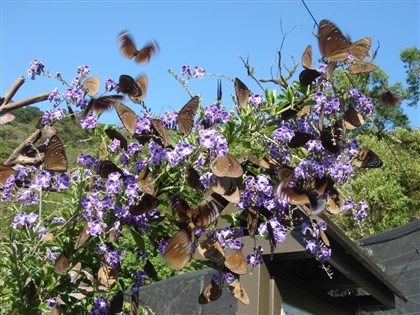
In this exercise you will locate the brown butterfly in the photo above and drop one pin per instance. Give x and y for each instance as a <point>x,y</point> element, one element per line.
<point>116,304</point>
<point>114,134</point>
<point>227,188</point>
<point>252,214</point>
<point>192,178</point>
<point>5,172</point>
<point>179,250</point>
<point>145,182</point>
<point>107,276</point>
<point>239,293</point>
<point>185,118</point>
<point>242,93</point>
<point>388,98</point>
<point>352,119</point>
<point>107,167</point>
<point>308,75</point>
<point>332,137</point>
<point>128,85</point>
<point>300,139</point>
<point>202,216</point>
<point>227,166</point>
<point>361,67</point>
<point>129,49</point>
<point>142,81</point>
<point>210,293</point>
<point>55,156</point>
<point>334,46</point>
<point>159,130</point>
<point>146,203</point>
<point>101,104</point>
<point>127,116</point>
<point>6,118</point>
<point>366,158</point>
<point>334,202</point>
<point>236,262</point>
<point>83,237</point>
<point>61,264</point>
<point>92,85</point>
<point>211,250</point>
<point>150,270</point>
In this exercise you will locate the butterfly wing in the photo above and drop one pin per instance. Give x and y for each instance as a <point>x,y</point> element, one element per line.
<point>236,262</point>
<point>186,115</point>
<point>334,46</point>
<point>55,156</point>
<point>5,172</point>
<point>143,82</point>
<point>127,117</point>
<point>128,85</point>
<point>360,49</point>
<point>307,58</point>
<point>242,93</point>
<point>6,118</point>
<point>352,119</point>
<point>127,46</point>
<point>92,85</point>
<point>179,250</point>
<point>210,293</point>
<point>114,134</point>
<point>228,166</point>
<point>146,53</point>
<point>366,158</point>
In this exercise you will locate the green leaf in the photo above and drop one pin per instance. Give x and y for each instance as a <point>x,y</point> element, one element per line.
<point>138,239</point>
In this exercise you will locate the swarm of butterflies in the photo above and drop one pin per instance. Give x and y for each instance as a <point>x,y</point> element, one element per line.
<point>310,196</point>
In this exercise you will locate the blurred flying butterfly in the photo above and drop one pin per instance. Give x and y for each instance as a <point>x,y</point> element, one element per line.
<point>242,93</point>
<point>366,158</point>
<point>236,262</point>
<point>146,203</point>
<point>107,167</point>
<point>192,178</point>
<point>334,46</point>
<point>92,85</point>
<point>334,202</point>
<point>210,293</point>
<point>211,250</point>
<point>150,271</point>
<point>61,264</point>
<point>5,172</point>
<point>239,293</point>
<point>308,75</point>
<point>227,166</point>
<point>227,188</point>
<point>388,98</point>
<point>101,104</point>
<point>145,182</point>
<point>201,216</point>
<point>185,118</point>
<point>55,156</point>
<point>127,116</point>
<point>114,134</point>
<point>352,119</point>
<point>83,237</point>
<point>129,49</point>
<point>6,118</point>
<point>179,250</point>
<point>128,85</point>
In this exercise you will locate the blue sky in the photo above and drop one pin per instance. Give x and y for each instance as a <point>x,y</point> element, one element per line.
<point>209,34</point>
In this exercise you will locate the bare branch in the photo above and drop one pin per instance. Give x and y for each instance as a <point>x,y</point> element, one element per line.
<point>34,137</point>
<point>182,81</point>
<point>250,71</point>
<point>12,91</point>
<point>27,101</point>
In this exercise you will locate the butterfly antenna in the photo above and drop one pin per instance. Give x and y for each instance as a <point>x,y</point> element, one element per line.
<point>219,91</point>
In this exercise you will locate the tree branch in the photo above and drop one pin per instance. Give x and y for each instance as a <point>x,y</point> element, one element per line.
<point>34,137</point>
<point>12,91</point>
<point>27,101</point>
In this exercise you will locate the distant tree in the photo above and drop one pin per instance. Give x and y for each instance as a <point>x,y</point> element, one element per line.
<point>26,115</point>
<point>411,59</point>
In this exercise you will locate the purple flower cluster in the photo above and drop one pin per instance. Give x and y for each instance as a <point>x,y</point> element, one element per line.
<point>55,96</point>
<point>139,280</point>
<point>100,306</point>
<point>213,140</point>
<point>258,192</point>
<point>315,246</point>
<point>228,238</point>
<point>330,105</point>
<point>89,122</point>
<point>168,119</point>
<point>256,257</point>
<point>26,221</point>
<point>36,67</point>
<point>197,73</point>
<point>110,85</point>
<point>283,133</point>
<point>279,231</point>
<point>361,102</point>
<point>256,99</point>
<point>215,115</point>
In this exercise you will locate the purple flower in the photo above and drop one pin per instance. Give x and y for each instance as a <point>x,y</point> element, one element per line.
<point>28,198</point>
<point>95,227</point>
<point>198,72</point>
<point>60,220</point>
<point>162,246</point>
<point>255,258</point>
<point>228,277</point>
<point>156,153</point>
<point>213,140</point>
<point>26,221</point>
<point>215,115</point>
<point>348,205</point>
<point>55,96</point>
<point>312,246</point>
<point>100,307</point>
<point>168,119</point>
<point>51,303</point>
<point>256,99</point>
<point>323,254</point>
<point>102,249</point>
<point>114,145</point>
<point>283,132</point>
<point>143,124</point>
<point>83,70</point>
<point>43,179</point>
<point>133,148</point>
<point>139,280</point>
<point>110,84</point>
<point>63,181</point>
<point>36,67</point>
<point>89,122</point>
<point>113,258</point>
<point>186,71</point>
<point>360,212</point>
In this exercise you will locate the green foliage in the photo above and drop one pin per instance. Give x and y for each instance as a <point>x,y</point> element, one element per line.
<point>391,191</point>
<point>411,59</point>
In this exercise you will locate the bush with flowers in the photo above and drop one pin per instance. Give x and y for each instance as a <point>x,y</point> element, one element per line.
<point>119,210</point>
